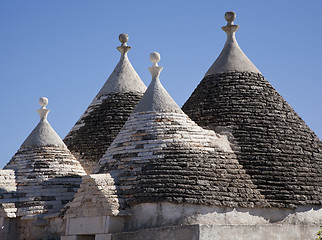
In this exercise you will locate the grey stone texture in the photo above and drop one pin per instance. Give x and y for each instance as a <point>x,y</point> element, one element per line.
<point>160,155</point>
<point>46,179</point>
<point>96,129</point>
<point>166,157</point>
<point>273,144</point>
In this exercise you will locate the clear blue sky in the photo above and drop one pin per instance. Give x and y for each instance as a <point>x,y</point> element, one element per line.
<point>65,50</point>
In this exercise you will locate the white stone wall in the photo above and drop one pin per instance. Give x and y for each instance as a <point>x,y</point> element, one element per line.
<point>150,215</point>
<point>7,196</point>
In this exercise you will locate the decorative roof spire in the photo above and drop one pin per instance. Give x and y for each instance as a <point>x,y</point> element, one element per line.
<point>230,28</point>
<point>156,98</point>
<point>43,134</point>
<point>124,48</point>
<point>155,70</point>
<point>43,111</point>
<point>231,57</point>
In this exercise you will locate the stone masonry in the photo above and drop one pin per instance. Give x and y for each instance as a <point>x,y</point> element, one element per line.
<point>274,145</point>
<point>98,127</point>
<point>167,157</point>
<point>46,179</point>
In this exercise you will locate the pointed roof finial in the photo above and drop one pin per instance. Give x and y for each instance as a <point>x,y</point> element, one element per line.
<point>155,69</point>
<point>43,111</point>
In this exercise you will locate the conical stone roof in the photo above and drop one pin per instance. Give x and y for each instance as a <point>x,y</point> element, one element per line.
<point>160,155</point>
<point>103,119</point>
<point>47,175</point>
<point>276,148</point>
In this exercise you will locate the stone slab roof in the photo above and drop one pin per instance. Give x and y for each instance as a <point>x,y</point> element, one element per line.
<point>46,177</point>
<point>276,148</point>
<point>161,156</point>
<point>274,145</point>
<point>43,177</point>
<point>105,116</point>
<point>167,157</point>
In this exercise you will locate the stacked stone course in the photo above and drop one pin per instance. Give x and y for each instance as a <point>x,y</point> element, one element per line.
<point>46,179</point>
<point>167,157</point>
<point>274,145</point>
<point>97,128</point>
<point>244,162</point>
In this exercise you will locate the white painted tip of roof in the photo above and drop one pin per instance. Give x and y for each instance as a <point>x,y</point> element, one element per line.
<point>43,134</point>
<point>124,78</point>
<point>231,58</point>
<point>156,98</point>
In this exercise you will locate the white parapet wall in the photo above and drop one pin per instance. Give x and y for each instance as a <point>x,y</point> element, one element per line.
<point>220,232</point>
<point>150,215</point>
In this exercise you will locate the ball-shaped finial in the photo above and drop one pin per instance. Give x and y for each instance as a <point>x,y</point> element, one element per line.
<point>43,101</point>
<point>155,57</point>
<point>230,16</point>
<point>123,38</point>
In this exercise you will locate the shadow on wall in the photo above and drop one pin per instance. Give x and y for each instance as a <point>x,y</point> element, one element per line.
<point>8,226</point>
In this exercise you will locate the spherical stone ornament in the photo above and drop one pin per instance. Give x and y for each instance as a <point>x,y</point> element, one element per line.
<point>123,38</point>
<point>155,57</point>
<point>230,16</point>
<point>43,101</point>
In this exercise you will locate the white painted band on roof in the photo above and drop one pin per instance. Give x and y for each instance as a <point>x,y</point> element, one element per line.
<point>156,98</point>
<point>231,58</point>
<point>43,134</point>
<point>124,78</point>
